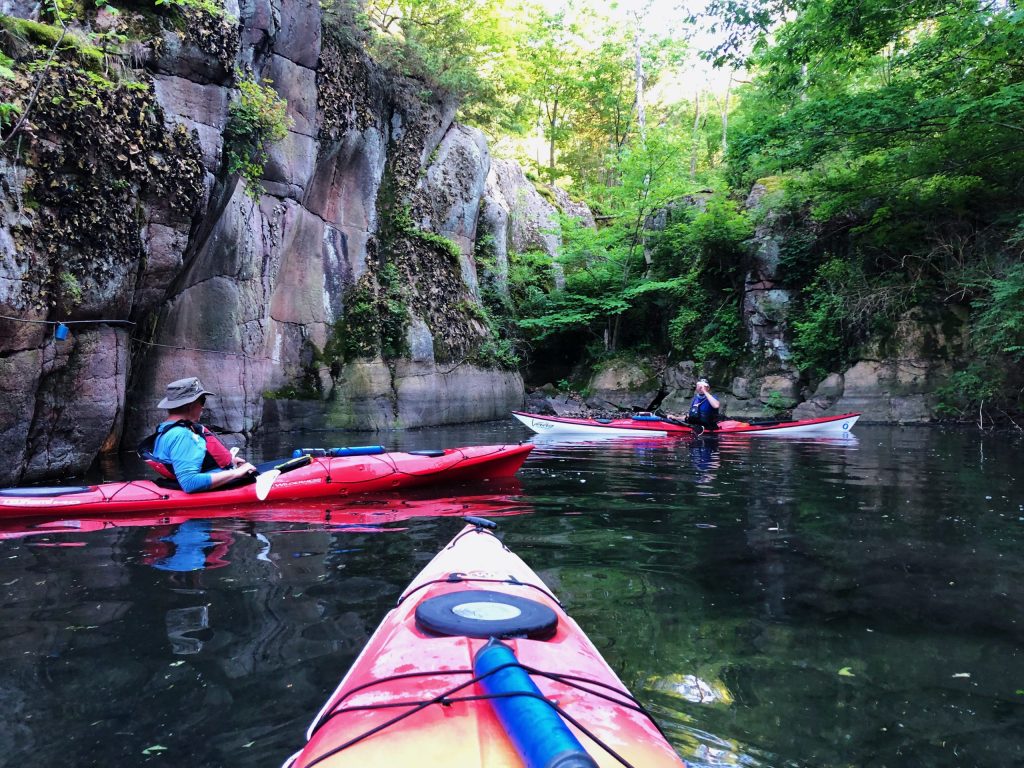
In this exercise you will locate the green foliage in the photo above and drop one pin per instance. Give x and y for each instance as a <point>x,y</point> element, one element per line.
<point>355,333</point>
<point>7,65</point>
<point>455,46</point>
<point>72,44</point>
<point>498,308</point>
<point>307,387</point>
<point>210,7</point>
<point>898,129</point>
<point>682,329</point>
<point>713,240</point>
<point>374,320</point>
<point>70,289</point>
<point>578,78</point>
<point>444,244</point>
<point>8,114</point>
<point>894,134</point>
<point>721,339</point>
<point>999,326</point>
<point>822,336</point>
<point>393,311</point>
<point>605,269</point>
<point>256,119</point>
<point>776,404</point>
<point>967,390</point>
<point>630,286</point>
<point>530,279</point>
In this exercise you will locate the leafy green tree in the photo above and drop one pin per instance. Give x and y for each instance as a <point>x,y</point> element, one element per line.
<point>552,52</point>
<point>606,270</point>
<point>895,134</point>
<point>907,120</point>
<point>456,46</point>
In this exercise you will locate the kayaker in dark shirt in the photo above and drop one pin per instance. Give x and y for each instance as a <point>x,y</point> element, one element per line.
<point>704,407</point>
<point>184,450</point>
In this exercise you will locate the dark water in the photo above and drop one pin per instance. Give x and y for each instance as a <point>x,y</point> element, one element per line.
<point>775,603</point>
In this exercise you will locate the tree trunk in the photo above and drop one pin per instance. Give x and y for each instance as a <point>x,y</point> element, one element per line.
<point>696,129</point>
<point>725,118</point>
<point>552,123</point>
<point>638,62</point>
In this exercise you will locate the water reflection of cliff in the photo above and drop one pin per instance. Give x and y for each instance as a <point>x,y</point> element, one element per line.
<point>878,532</point>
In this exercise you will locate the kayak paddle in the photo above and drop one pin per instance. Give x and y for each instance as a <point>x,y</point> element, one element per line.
<point>265,480</point>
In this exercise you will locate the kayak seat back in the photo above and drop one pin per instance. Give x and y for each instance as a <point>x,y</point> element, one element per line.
<point>482,613</point>
<point>645,417</point>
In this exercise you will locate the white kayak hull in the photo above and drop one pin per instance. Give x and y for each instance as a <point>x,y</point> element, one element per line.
<point>829,426</point>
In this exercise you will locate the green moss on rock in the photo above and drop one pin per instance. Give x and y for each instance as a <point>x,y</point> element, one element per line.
<point>94,151</point>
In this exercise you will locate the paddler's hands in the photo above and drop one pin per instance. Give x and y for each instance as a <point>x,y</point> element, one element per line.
<point>245,469</point>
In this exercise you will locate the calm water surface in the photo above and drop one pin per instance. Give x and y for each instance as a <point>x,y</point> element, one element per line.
<point>775,603</point>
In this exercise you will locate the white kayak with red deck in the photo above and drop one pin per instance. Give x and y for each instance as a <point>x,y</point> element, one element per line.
<point>653,425</point>
<point>480,665</point>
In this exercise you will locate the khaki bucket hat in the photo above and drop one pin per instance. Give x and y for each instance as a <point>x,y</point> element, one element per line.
<point>182,392</point>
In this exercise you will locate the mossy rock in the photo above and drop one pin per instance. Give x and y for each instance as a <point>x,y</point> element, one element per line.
<point>47,35</point>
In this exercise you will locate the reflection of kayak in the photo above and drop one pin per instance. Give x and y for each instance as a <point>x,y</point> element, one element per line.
<point>362,514</point>
<point>651,424</point>
<point>325,477</point>
<point>431,688</point>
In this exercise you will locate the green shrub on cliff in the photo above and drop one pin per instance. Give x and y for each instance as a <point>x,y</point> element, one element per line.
<point>210,7</point>
<point>9,111</point>
<point>999,327</point>
<point>965,394</point>
<point>823,327</point>
<point>256,119</point>
<point>446,43</point>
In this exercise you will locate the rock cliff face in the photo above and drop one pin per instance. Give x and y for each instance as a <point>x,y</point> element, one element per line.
<point>520,218</point>
<point>343,294</point>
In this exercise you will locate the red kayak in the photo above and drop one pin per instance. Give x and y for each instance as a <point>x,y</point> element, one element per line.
<point>324,477</point>
<point>650,424</point>
<point>480,665</point>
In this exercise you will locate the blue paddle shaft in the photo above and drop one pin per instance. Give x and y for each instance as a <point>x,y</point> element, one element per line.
<point>536,730</point>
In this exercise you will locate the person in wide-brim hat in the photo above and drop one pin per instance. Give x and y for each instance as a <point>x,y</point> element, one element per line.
<point>183,392</point>
<point>184,450</point>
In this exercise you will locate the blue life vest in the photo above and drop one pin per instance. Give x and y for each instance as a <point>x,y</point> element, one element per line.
<point>702,412</point>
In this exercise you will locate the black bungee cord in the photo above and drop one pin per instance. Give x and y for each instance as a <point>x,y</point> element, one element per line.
<point>447,698</point>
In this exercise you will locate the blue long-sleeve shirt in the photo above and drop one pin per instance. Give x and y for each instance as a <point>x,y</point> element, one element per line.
<point>184,450</point>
